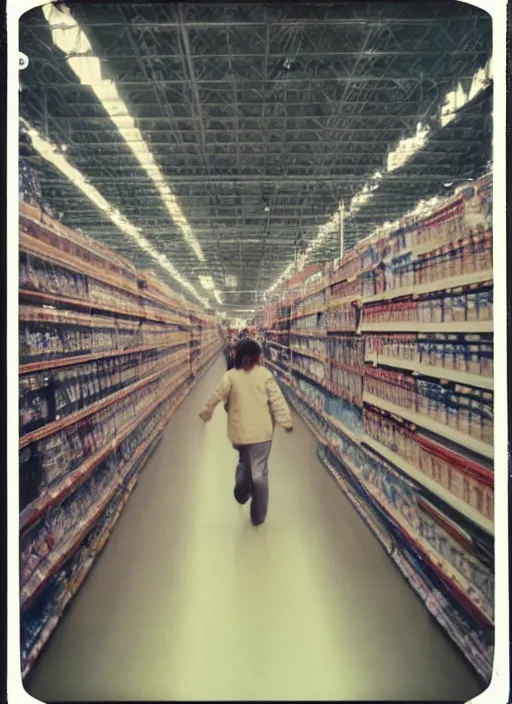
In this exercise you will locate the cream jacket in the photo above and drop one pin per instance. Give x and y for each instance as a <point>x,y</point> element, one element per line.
<point>253,401</point>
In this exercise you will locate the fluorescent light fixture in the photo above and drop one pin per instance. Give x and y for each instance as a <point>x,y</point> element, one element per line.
<point>208,284</point>
<point>72,41</point>
<point>363,197</point>
<point>231,281</point>
<point>459,97</point>
<point>285,275</point>
<point>248,240</point>
<point>54,156</point>
<point>408,147</point>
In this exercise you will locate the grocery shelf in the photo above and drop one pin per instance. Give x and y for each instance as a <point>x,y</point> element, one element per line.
<point>35,247</point>
<point>49,566</point>
<point>360,507</point>
<point>304,419</point>
<point>172,307</point>
<point>478,277</point>
<point>481,382</point>
<point>304,314</point>
<point>439,564</point>
<point>467,326</point>
<point>55,256</point>
<point>324,383</point>
<point>354,275</point>
<point>277,344</point>
<point>441,429</point>
<point>73,481</point>
<point>276,366</point>
<point>426,247</point>
<point>312,428</point>
<point>330,419</point>
<point>351,435</point>
<point>49,627</point>
<point>72,418</point>
<point>204,364</point>
<point>56,299</point>
<point>464,509</point>
<point>306,332</point>
<point>303,398</point>
<point>345,331</point>
<point>89,305</point>
<point>347,367</point>
<point>32,367</point>
<point>337,302</point>
<point>308,353</point>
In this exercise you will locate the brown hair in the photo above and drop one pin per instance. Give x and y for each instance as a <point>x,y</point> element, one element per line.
<point>247,354</point>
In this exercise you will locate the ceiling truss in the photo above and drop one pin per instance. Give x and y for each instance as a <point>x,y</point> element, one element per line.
<point>262,118</point>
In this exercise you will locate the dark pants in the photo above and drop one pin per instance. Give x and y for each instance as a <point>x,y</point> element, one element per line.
<point>252,478</point>
<point>229,359</point>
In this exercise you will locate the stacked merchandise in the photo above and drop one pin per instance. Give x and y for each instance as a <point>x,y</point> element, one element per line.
<point>277,337</point>
<point>29,188</point>
<point>206,340</point>
<point>211,338</point>
<point>307,343</point>
<point>399,393</point>
<point>105,360</point>
<point>195,340</point>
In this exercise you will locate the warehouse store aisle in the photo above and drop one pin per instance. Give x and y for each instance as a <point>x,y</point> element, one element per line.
<point>189,602</point>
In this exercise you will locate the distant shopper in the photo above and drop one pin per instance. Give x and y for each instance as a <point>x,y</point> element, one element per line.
<point>231,355</point>
<point>228,353</point>
<point>254,403</point>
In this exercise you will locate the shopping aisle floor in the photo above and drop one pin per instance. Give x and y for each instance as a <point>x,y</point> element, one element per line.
<point>189,602</point>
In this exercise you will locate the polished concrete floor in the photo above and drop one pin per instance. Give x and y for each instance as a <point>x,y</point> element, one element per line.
<point>189,602</point>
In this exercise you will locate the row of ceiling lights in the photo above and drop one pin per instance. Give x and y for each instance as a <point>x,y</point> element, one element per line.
<point>407,147</point>
<point>68,36</point>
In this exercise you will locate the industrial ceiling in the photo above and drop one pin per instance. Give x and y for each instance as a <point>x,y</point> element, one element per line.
<point>262,118</point>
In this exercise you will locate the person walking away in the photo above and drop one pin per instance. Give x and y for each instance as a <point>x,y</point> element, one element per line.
<point>227,352</point>
<point>254,404</point>
<point>231,355</point>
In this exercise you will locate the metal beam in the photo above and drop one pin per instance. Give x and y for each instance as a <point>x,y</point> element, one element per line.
<point>249,83</point>
<point>306,23</point>
<point>324,55</point>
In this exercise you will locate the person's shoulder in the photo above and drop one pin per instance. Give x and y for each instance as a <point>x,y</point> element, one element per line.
<point>265,373</point>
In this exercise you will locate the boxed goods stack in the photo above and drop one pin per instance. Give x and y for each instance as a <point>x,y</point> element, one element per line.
<point>105,360</point>
<point>397,385</point>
